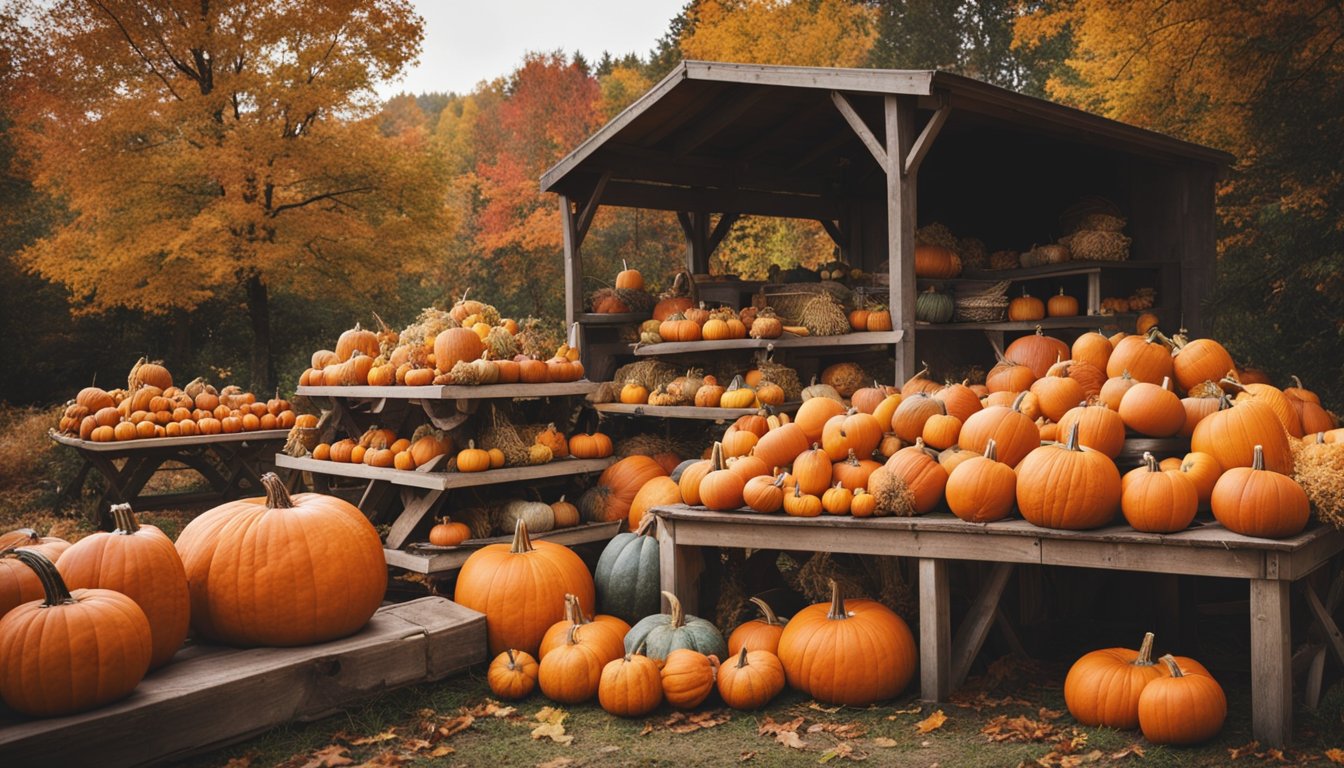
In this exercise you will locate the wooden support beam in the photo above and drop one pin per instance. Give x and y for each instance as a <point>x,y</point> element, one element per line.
<point>725,112</point>
<point>746,202</point>
<point>861,128</point>
<point>573,264</point>
<point>1327,622</point>
<point>924,143</point>
<point>901,229</point>
<point>833,229</point>
<point>970,637</point>
<point>585,219</point>
<point>721,230</point>
<point>1271,662</point>
<point>935,631</point>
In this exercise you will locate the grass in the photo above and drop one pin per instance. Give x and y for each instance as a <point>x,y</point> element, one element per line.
<point>34,471</point>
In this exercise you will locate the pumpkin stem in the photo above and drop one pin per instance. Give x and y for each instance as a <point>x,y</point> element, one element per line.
<point>1017,401</point>
<point>572,635</point>
<point>1145,657</point>
<point>766,611</point>
<point>1173,668</point>
<point>522,543</point>
<point>1296,381</point>
<point>1258,460</point>
<point>678,619</point>
<point>513,662</point>
<point>579,618</point>
<point>837,611</point>
<point>716,457</point>
<point>277,495</point>
<point>53,586</point>
<point>992,450</point>
<point>125,519</point>
<point>1071,443</point>
<point>1150,461</point>
<point>742,658</point>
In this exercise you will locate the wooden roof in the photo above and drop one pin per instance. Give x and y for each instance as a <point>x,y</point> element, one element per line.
<point>765,139</point>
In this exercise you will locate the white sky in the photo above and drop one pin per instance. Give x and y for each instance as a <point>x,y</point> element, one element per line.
<point>467,41</point>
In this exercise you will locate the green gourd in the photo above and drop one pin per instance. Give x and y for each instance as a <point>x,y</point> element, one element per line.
<point>627,574</point>
<point>662,633</point>
<point>933,307</point>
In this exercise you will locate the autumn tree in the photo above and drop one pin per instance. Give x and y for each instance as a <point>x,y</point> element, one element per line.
<point>222,147</point>
<point>818,33</point>
<point>1264,81</point>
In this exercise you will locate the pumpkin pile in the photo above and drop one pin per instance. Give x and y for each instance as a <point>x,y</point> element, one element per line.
<point>380,447</point>
<point>1041,436</point>
<point>151,406</point>
<point>469,344</point>
<point>1173,700</point>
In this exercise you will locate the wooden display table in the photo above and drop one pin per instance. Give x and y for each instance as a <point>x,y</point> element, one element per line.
<point>233,465</point>
<point>1270,566</point>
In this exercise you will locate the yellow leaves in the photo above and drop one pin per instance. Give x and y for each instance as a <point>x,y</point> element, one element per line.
<point>552,726</point>
<point>822,33</point>
<point>785,733</point>
<point>931,723</point>
<point>1335,756</point>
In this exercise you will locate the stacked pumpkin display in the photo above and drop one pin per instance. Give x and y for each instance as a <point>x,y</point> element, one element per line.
<point>379,447</point>
<point>151,406</point>
<point>469,344</point>
<point>700,323</point>
<point>706,392</point>
<point>1048,410</point>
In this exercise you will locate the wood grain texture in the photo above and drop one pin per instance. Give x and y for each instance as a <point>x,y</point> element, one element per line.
<point>213,695</point>
<point>454,392</point>
<point>441,559</point>
<point>445,480</point>
<point>127,447</point>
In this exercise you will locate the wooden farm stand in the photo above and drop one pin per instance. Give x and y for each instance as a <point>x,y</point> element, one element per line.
<point>210,696</point>
<point>872,153</point>
<point>1270,567</point>
<point>406,498</point>
<point>231,463</point>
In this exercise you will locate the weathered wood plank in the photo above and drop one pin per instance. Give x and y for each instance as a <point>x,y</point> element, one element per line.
<point>679,568</point>
<point>1271,662</point>
<point>685,411</point>
<point>1327,622</point>
<point>935,631</point>
<point>860,128</point>
<point>445,480</point>
<point>924,143</point>
<point>788,341</point>
<point>970,637</point>
<point>1127,556</point>
<point>451,392</point>
<point>212,696</point>
<point>441,559</point>
<point>134,446</point>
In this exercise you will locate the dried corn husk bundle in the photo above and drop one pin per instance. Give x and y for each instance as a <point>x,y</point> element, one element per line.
<point>816,310</point>
<point>1319,469</point>
<point>784,376</point>
<point>1086,210</point>
<point>649,373</point>
<point>427,325</point>
<point>938,234</point>
<point>894,498</point>
<point>973,253</point>
<point>634,301</point>
<point>649,445</point>
<point>1097,244</point>
<point>500,343</point>
<point>536,338</point>
<point>478,519</point>
<point>301,441</point>
<point>1052,253</point>
<point>1005,260</point>
<point>501,433</point>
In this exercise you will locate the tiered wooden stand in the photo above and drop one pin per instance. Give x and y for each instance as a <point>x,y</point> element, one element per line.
<point>405,498</point>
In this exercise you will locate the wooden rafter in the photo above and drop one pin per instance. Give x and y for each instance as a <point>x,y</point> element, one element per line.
<point>721,230</point>
<point>833,229</point>
<point>924,143</point>
<point>585,219</point>
<point>733,106</point>
<point>861,128</point>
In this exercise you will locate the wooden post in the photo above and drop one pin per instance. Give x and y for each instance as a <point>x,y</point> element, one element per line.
<point>1271,662</point>
<point>679,568</point>
<point>935,631</point>
<point>900,116</point>
<point>573,266</point>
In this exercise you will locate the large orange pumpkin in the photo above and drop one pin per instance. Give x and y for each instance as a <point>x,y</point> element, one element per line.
<point>71,651</point>
<point>323,577</point>
<point>1231,434</point>
<point>1199,361</point>
<point>1099,428</point>
<point>758,634</point>
<point>1013,432</point>
<point>1103,686</point>
<point>521,589</point>
<point>980,489</point>
<point>1037,351</point>
<point>781,445</point>
<point>659,491</point>
<point>1253,501</point>
<point>141,563</point>
<point>1156,501</point>
<point>1145,357</point>
<point>923,475</point>
<point>854,653</point>
<point>616,488</point>
<point>1068,486</point>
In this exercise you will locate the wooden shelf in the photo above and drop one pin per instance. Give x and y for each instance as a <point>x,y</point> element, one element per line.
<point>685,411</point>
<point>787,341</point>
<point>428,559</point>
<point>124,446</point>
<point>612,318</point>
<point>454,392</point>
<point>1063,269</point>
<point>442,481</point>
<point>1086,322</point>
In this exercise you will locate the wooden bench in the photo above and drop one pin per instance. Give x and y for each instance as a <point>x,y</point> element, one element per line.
<point>232,464</point>
<point>1270,566</point>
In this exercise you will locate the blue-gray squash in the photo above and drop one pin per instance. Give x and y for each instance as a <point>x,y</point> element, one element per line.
<point>662,633</point>
<point>627,574</point>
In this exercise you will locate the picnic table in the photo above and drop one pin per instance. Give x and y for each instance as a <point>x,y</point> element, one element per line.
<point>231,463</point>
<point>1270,567</point>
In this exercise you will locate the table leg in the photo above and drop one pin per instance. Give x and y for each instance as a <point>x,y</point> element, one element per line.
<point>416,504</point>
<point>935,631</point>
<point>1271,662</point>
<point>679,569</point>
<point>975,626</point>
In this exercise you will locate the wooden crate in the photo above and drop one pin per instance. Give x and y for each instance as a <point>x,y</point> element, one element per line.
<point>211,695</point>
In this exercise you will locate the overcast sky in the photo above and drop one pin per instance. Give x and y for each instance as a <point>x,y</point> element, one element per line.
<point>467,41</point>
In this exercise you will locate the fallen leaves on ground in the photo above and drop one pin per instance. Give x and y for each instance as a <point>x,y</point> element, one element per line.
<point>242,761</point>
<point>388,735</point>
<point>820,708</point>
<point>491,708</point>
<point>884,742</point>
<point>745,756</point>
<point>1018,729</point>
<point>1054,759</point>
<point>982,700</point>
<point>932,722</point>
<point>387,759</point>
<point>839,730</point>
<point>1293,757</point>
<point>1335,756</point>
<point>552,726</point>
<point>329,757</point>
<point>559,762</point>
<point>682,722</point>
<point>843,749</point>
<point>1049,714</point>
<point>785,733</point>
<point>1132,749</point>
<point>911,711</point>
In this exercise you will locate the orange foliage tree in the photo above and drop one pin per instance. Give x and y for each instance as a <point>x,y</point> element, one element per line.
<point>818,33</point>
<point>1264,81</point>
<point>228,147</point>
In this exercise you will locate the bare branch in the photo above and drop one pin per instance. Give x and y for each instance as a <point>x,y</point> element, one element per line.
<point>316,198</point>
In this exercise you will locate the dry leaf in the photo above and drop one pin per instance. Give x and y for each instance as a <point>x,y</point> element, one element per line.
<point>441,750</point>
<point>843,749</point>
<point>769,726</point>
<point>1014,729</point>
<point>1049,714</point>
<point>932,722</point>
<point>911,711</point>
<point>819,708</point>
<point>242,761</point>
<point>681,722</point>
<point>388,735</point>
<point>559,762</point>
<point>745,756</point>
<point>839,730</point>
<point>608,749</point>
<point>1132,749</point>
<point>330,757</point>
<point>790,739</point>
<point>1234,753</point>
<point>455,726</point>
<point>884,742</point>
<point>1335,756</point>
<point>983,700</point>
<point>386,760</point>
<point>490,708</point>
<point>552,726</point>
<point>416,745</point>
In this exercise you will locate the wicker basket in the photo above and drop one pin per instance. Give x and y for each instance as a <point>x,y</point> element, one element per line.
<point>985,304</point>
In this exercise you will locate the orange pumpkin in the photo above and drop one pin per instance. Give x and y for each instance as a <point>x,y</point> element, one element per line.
<point>758,634</point>
<point>1068,486</point>
<point>923,475</point>
<point>1155,501</point>
<point>1014,433</point>
<point>612,496</point>
<point>1254,501</point>
<point>981,489</point>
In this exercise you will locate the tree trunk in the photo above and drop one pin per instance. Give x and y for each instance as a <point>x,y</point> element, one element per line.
<point>259,310</point>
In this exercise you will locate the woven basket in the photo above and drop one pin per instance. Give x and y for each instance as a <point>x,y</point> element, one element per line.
<point>985,304</point>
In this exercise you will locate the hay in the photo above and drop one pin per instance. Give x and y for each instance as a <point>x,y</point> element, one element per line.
<point>974,254</point>
<point>1098,245</point>
<point>427,325</point>
<point>645,444</point>
<point>649,373</point>
<point>501,433</point>
<point>784,376</point>
<point>1005,260</point>
<point>1319,469</point>
<point>537,338</point>
<point>816,309</point>
<point>1101,222</point>
<point>937,234</point>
